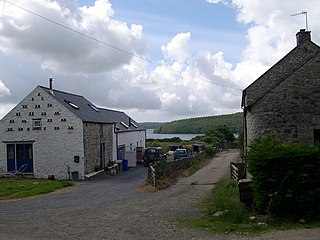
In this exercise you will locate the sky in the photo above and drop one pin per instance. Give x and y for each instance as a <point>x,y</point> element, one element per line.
<point>156,60</point>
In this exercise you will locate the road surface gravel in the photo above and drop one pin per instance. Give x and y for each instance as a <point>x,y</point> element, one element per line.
<point>111,207</point>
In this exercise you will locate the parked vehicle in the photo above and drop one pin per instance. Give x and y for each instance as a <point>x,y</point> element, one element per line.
<point>171,150</point>
<point>181,152</point>
<point>153,154</point>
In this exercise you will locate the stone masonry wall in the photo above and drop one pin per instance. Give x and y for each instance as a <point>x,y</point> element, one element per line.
<point>284,67</point>
<point>94,135</point>
<point>55,143</point>
<point>291,111</point>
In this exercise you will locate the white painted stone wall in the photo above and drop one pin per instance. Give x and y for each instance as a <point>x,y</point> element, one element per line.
<point>55,145</point>
<point>132,139</point>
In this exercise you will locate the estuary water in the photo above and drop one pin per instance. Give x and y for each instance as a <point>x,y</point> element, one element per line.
<point>151,134</point>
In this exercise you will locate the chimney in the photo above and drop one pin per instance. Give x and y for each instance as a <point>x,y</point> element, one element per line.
<point>302,36</point>
<point>50,85</point>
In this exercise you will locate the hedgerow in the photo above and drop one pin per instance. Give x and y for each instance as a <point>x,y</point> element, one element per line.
<point>286,178</point>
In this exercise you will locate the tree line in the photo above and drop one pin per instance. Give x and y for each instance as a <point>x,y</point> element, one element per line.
<point>202,124</point>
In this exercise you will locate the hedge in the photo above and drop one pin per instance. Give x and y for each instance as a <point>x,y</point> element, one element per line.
<point>286,178</point>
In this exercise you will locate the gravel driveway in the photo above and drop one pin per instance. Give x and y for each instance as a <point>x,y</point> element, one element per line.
<point>110,207</point>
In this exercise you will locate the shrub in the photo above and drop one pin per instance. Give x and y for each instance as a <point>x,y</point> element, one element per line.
<point>286,178</point>
<point>210,151</point>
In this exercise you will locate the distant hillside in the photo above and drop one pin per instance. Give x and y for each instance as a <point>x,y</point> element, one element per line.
<point>203,124</point>
<point>151,125</point>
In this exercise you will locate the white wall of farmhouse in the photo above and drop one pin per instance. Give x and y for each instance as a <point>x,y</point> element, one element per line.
<point>55,142</point>
<point>132,139</point>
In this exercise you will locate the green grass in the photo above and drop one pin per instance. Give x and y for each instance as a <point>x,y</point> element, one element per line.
<point>196,165</point>
<point>21,188</point>
<point>235,218</point>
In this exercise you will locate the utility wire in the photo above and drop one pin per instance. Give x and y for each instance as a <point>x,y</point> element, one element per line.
<point>114,47</point>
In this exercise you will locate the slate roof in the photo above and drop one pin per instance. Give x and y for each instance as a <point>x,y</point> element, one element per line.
<point>279,72</point>
<point>88,112</point>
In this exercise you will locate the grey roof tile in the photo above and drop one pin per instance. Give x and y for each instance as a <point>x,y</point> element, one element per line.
<point>88,112</point>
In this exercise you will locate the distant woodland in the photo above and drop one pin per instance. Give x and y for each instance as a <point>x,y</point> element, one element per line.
<point>199,125</point>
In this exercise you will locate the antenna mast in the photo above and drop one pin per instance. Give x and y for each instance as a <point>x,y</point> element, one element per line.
<point>305,13</point>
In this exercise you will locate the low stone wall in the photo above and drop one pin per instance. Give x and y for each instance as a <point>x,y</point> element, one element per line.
<point>186,162</point>
<point>165,168</point>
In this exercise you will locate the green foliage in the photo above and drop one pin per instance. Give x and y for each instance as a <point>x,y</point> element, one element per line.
<point>172,140</point>
<point>225,198</point>
<point>223,211</point>
<point>151,125</point>
<point>218,135</point>
<point>20,188</point>
<point>234,217</point>
<point>286,178</point>
<point>210,151</point>
<point>203,124</point>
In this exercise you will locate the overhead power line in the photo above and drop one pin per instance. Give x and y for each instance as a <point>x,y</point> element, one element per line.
<point>112,46</point>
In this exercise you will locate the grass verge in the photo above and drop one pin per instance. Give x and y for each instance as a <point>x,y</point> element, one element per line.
<point>21,188</point>
<point>196,165</point>
<point>223,213</point>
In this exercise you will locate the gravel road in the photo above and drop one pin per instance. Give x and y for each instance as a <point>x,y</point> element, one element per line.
<point>111,207</point>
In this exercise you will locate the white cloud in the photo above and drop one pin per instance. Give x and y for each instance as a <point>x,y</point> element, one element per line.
<point>4,91</point>
<point>182,84</point>
<point>177,49</point>
<point>214,1</point>
<point>62,50</point>
<point>271,34</point>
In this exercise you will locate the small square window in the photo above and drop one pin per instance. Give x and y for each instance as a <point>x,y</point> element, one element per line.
<point>36,123</point>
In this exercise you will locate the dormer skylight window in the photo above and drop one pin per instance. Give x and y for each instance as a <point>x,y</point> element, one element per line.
<point>133,124</point>
<point>72,104</point>
<point>123,124</point>
<point>94,107</point>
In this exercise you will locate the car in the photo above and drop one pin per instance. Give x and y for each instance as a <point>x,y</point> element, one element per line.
<point>153,154</point>
<point>180,153</point>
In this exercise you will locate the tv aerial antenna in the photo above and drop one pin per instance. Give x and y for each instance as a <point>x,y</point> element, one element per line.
<point>302,13</point>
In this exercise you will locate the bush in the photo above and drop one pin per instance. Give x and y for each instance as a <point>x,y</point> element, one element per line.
<point>286,178</point>
<point>210,151</point>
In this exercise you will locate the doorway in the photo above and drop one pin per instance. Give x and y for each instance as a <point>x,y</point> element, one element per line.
<point>18,155</point>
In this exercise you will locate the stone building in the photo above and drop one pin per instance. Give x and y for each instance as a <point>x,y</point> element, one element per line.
<point>58,133</point>
<point>285,101</point>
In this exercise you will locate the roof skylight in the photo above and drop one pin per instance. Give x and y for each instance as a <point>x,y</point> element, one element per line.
<point>72,104</point>
<point>123,124</point>
<point>94,107</point>
<point>133,124</point>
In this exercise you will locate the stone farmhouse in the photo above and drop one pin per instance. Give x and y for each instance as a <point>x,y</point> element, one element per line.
<point>285,101</point>
<point>54,133</point>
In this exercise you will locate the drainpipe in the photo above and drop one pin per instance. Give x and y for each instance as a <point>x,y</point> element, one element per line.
<point>245,143</point>
<point>117,140</point>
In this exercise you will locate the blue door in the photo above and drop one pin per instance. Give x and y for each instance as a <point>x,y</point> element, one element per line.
<point>18,155</point>
<point>11,158</point>
<point>120,153</point>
